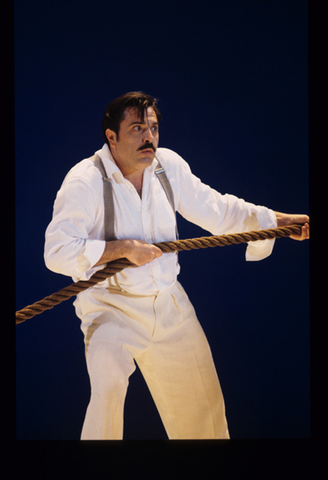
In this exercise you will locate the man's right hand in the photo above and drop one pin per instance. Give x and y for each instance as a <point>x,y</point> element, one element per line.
<point>138,252</point>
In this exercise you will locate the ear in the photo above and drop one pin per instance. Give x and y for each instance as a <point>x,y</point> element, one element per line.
<point>111,137</point>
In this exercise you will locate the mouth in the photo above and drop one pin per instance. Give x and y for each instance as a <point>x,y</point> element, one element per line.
<point>147,149</point>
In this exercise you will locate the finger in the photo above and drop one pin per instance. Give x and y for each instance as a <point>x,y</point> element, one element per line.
<point>158,252</point>
<point>154,253</point>
<point>304,235</point>
<point>303,219</point>
<point>305,232</point>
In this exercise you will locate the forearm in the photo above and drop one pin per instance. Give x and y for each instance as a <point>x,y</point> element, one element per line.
<point>281,219</point>
<point>114,250</point>
<point>284,219</point>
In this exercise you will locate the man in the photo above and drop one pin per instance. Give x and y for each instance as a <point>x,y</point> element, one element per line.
<point>142,314</point>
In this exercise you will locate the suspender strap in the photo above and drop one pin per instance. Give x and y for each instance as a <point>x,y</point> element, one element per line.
<point>109,201</point>
<point>161,175</point>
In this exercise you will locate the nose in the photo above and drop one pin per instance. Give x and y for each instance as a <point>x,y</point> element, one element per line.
<point>148,136</point>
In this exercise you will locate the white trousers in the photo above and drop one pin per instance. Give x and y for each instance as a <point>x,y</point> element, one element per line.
<point>163,336</point>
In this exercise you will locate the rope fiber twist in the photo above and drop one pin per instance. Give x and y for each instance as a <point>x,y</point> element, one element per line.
<point>167,247</point>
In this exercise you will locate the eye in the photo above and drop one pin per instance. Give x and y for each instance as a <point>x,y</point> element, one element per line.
<point>137,128</point>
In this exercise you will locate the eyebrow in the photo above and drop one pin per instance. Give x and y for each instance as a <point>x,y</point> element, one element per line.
<point>139,122</point>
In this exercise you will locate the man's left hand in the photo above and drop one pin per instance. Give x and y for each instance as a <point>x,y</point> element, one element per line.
<point>285,219</point>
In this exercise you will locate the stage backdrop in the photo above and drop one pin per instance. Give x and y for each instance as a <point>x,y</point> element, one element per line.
<point>231,79</point>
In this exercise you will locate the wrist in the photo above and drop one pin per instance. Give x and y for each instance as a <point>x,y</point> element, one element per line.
<point>281,219</point>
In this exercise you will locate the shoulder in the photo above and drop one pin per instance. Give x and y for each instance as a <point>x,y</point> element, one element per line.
<point>167,155</point>
<point>83,183</point>
<point>83,172</point>
<point>172,162</point>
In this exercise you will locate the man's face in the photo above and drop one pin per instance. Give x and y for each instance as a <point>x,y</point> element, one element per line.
<point>135,147</point>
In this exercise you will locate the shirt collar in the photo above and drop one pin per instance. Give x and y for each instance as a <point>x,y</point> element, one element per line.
<point>110,165</point>
<point>107,158</point>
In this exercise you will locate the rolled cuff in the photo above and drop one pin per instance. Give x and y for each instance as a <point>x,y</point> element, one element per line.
<point>262,248</point>
<point>92,252</point>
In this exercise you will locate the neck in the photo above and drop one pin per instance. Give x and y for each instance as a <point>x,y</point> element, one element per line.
<point>135,177</point>
<point>137,180</point>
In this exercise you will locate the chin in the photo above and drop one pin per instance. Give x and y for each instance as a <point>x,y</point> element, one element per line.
<point>147,159</point>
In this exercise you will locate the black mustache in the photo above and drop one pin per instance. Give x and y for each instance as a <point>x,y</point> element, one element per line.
<point>147,146</point>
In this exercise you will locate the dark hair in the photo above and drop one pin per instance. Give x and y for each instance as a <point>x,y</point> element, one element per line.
<point>115,111</point>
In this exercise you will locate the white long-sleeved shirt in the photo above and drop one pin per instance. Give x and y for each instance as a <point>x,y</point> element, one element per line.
<point>75,236</point>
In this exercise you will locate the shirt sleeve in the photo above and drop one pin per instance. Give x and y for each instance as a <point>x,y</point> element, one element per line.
<point>222,214</point>
<point>72,245</point>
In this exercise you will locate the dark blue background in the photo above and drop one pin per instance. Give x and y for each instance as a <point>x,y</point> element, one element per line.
<point>232,81</point>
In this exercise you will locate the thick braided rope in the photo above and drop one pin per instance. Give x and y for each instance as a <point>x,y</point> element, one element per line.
<point>179,245</point>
